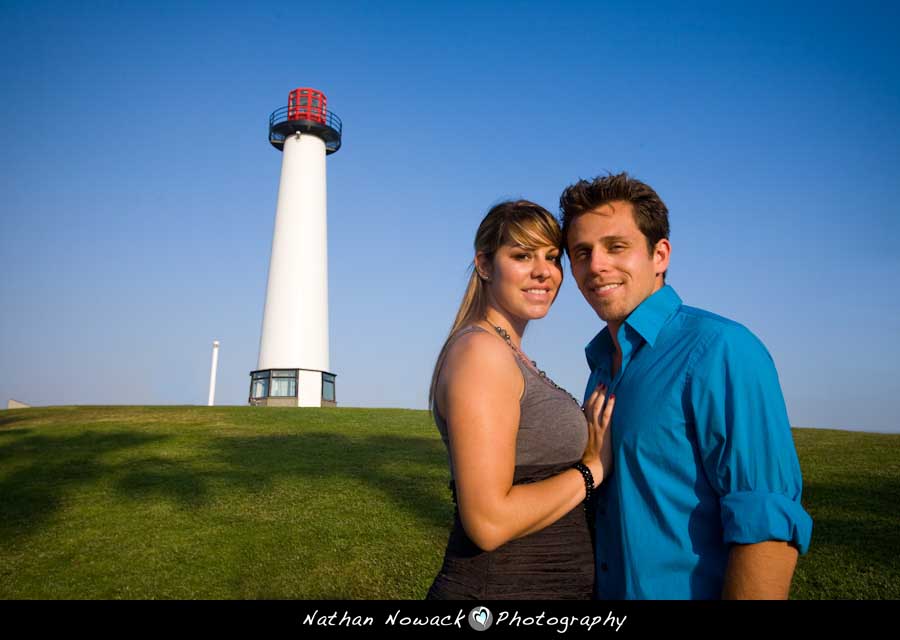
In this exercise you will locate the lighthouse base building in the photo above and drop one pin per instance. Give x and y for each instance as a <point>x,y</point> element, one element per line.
<point>292,388</point>
<point>293,369</point>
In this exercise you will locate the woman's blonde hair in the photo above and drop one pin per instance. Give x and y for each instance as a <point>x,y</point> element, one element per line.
<point>516,222</point>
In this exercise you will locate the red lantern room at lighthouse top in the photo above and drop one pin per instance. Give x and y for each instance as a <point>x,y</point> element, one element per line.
<point>305,113</point>
<point>307,104</point>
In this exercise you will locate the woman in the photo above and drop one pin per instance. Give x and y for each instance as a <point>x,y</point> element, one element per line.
<point>524,456</point>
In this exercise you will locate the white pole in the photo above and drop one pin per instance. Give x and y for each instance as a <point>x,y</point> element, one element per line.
<point>212,374</point>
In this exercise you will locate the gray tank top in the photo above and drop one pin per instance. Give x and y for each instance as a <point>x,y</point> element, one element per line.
<point>552,427</point>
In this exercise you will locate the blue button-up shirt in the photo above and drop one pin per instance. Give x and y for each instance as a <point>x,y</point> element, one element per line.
<point>702,449</point>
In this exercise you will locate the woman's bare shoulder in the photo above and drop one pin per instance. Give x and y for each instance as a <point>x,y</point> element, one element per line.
<point>480,362</point>
<point>479,348</point>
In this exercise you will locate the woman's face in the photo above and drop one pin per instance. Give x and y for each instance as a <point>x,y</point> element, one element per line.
<point>523,282</point>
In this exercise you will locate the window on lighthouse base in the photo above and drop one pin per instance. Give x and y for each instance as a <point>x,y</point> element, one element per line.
<point>328,387</point>
<point>284,384</point>
<point>259,387</point>
<point>273,383</point>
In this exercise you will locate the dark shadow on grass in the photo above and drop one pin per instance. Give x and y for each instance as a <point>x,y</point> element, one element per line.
<point>864,494</point>
<point>57,464</point>
<point>51,467</point>
<point>863,541</point>
<point>368,461</point>
<point>7,419</point>
<point>153,477</point>
<point>859,517</point>
<point>14,433</point>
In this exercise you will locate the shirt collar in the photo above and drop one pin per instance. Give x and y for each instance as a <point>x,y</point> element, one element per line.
<point>647,320</point>
<point>653,313</point>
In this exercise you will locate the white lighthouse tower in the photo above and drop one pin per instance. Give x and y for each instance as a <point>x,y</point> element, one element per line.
<point>293,369</point>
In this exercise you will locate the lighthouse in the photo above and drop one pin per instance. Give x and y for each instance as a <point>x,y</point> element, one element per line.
<point>293,369</point>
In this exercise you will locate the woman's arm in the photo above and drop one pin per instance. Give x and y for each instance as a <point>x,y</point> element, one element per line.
<point>478,394</point>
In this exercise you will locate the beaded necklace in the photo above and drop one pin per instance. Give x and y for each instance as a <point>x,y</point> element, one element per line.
<point>543,376</point>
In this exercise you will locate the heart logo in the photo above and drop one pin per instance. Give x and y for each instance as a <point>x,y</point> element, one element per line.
<point>480,618</point>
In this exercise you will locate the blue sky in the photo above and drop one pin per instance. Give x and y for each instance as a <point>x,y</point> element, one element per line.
<point>137,188</point>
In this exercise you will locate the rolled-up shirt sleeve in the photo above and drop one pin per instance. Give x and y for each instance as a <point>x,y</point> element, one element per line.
<point>745,442</point>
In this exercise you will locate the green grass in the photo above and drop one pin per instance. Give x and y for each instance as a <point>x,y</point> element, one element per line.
<point>851,488</point>
<point>239,502</point>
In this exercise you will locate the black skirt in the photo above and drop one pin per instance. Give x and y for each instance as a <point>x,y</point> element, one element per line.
<point>555,563</point>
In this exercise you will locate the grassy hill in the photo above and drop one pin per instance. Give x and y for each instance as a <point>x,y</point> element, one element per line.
<point>238,502</point>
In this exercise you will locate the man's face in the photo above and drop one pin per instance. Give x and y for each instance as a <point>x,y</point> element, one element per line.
<point>611,263</point>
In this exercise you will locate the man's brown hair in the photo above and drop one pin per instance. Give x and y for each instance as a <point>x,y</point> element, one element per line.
<point>650,212</point>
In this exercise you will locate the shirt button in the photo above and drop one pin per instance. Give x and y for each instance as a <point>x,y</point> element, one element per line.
<point>604,566</point>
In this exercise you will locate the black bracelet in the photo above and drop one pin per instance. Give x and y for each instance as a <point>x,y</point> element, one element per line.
<point>588,482</point>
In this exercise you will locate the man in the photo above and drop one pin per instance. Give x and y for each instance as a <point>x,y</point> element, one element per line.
<point>704,496</point>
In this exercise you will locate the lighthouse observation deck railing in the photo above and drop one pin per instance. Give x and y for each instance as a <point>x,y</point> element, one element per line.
<point>286,121</point>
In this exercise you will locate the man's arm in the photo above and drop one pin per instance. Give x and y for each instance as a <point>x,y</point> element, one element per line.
<point>745,441</point>
<point>760,571</point>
